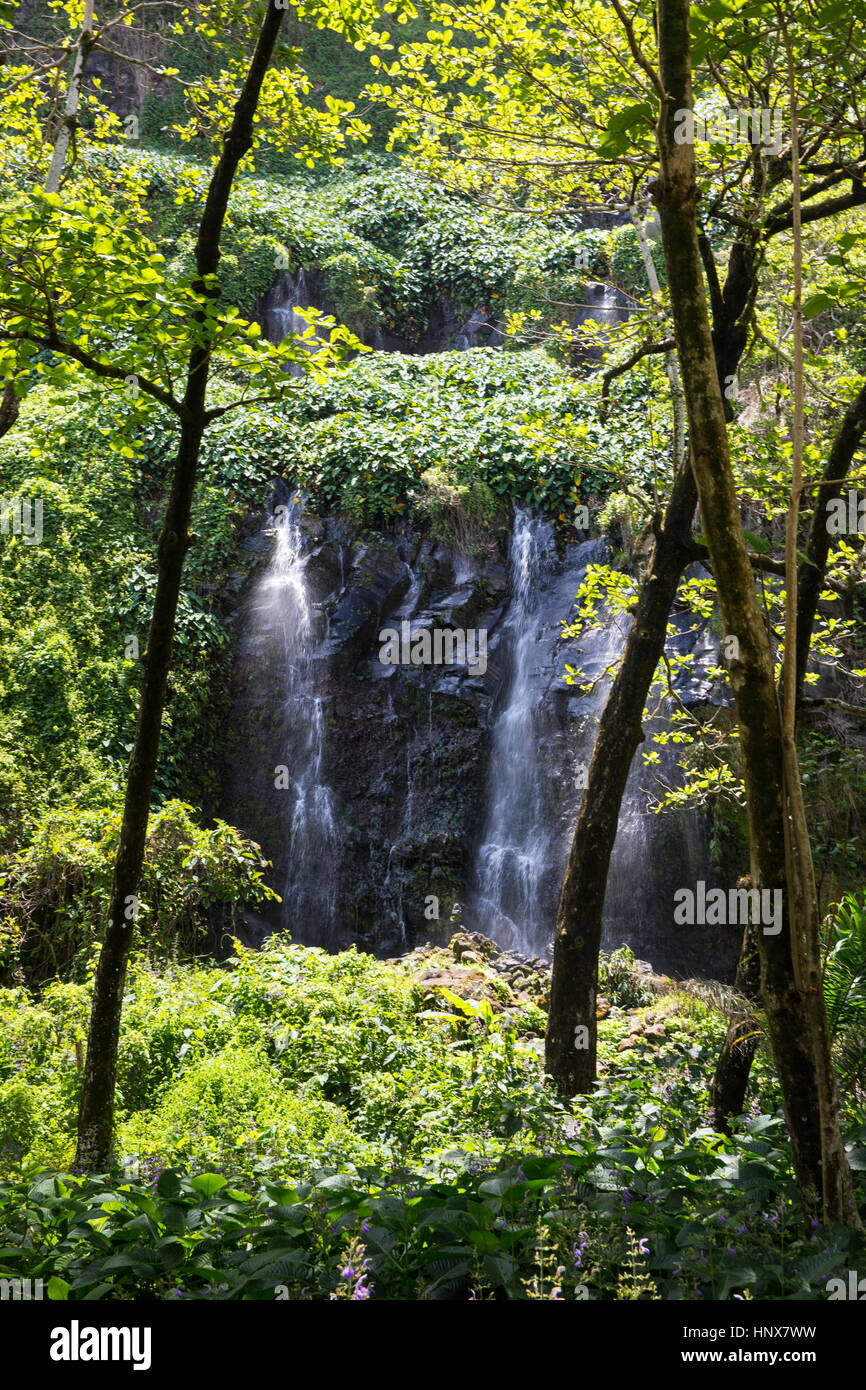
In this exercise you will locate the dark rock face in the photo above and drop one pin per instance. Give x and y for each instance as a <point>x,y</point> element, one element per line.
<point>124,80</point>
<point>404,746</point>
<point>406,749</point>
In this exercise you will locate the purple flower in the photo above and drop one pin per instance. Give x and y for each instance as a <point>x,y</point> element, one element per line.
<point>643,1247</point>
<point>347,1273</point>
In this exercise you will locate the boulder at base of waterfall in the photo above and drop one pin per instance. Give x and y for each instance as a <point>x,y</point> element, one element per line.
<point>466,984</point>
<point>475,943</point>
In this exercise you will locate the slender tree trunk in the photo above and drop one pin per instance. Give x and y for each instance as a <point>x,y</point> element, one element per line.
<point>789,980</point>
<point>571,1044</point>
<point>67,125</point>
<point>9,409</point>
<point>735,1060</point>
<point>570,1051</point>
<point>672,368</point>
<point>96,1111</point>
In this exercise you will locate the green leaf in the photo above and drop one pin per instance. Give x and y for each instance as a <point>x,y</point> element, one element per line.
<point>760,545</point>
<point>817,304</point>
<point>169,1184</point>
<point>208,1183</point>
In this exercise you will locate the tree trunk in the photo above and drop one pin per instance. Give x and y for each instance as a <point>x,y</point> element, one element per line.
<point>67,125</point>
<point>790,979</point>
<point>570,1055</point>
<point>571,1042</point>
<point>735,1060</point>
<point>96,1111</point>
<point>9,408</point>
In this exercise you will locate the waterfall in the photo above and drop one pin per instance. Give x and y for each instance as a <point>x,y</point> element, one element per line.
<point>542,737</point>
<point>356,814</point>
<point>283,608</point>
<point>604,304</point>
<point>514,853</point>
<point>280,306</point>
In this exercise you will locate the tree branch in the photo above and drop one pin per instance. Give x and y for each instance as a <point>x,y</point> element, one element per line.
<point>54,343</point>
<point>612,372</point>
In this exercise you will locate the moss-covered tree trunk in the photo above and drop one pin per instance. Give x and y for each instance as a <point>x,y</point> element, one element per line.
<point>790,979</point>
<point>735,1060</point>
<point>96,1110</point>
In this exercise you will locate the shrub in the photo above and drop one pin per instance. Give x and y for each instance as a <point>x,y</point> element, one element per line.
<point>54,892</point>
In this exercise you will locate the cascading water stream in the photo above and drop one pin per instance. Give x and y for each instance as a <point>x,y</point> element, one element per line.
<point>405,830</point>
<point>533,789</point>
<point>284,607</point>
<point>288,294</point>
<point>515,845</point>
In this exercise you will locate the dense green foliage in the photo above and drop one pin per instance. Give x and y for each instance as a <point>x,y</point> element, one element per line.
<point>53,892</point>
<point>516,422</point>
<point>76,606</point>
<point>312,1126</point>
<point>337,1118</point>
<point>390,246</point>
